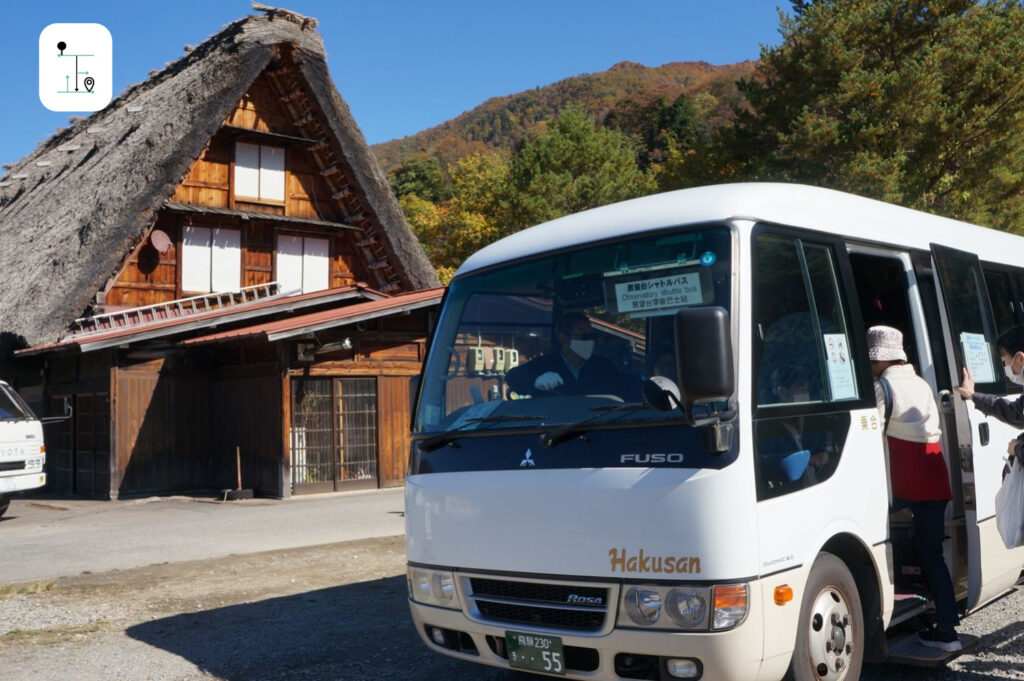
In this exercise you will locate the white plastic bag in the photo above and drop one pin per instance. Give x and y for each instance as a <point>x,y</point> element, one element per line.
<point>1010,507</point>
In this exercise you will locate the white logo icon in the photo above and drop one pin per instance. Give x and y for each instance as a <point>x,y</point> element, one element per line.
<point>528,462</point>
<point>75,67</point>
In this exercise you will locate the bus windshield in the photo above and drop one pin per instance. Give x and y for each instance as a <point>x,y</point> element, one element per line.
<point>569,336</point>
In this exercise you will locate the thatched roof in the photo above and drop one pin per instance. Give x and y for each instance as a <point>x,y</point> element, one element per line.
<point>72,209</point>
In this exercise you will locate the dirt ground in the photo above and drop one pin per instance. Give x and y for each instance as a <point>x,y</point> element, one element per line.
<point>331,612</point>
<point>328,612</point>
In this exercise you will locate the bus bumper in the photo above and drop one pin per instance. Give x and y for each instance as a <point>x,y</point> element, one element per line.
<point>20,483</point>
<point>733,655</point>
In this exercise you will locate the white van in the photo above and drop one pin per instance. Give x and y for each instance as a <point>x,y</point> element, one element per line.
<point>22,452</point>
<point>592,528</point>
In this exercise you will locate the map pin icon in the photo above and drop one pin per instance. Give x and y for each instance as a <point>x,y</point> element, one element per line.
<point>89,83</point>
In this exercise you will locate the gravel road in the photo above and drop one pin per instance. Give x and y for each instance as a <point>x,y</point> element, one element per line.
<point>331,612</point>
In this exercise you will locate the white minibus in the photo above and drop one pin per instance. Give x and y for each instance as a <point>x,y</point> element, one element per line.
<point>704,494</point>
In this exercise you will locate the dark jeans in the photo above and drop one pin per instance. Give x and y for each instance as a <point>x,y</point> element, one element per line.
<point>929,531</point>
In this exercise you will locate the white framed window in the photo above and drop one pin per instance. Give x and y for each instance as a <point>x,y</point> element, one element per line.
<point>211,259</point>
<point>259,171</point>
<point>302,263</point>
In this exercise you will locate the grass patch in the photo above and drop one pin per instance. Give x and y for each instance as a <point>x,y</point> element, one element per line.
<point>31,589</point>
<point>16,637</point>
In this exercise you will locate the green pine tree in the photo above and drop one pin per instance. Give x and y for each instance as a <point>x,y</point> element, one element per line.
<point>916,102</point>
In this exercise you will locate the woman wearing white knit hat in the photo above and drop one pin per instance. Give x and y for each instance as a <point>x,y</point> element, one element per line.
<point>918,471</point>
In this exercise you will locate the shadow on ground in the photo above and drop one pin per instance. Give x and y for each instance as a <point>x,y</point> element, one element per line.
<point>363,632</point>
<point>354,632</point>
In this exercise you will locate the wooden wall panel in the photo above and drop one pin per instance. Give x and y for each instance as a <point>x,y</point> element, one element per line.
<point>258,255</point>
<point>148,277</point>
<point>207,182</point>
<point>163,431</point>
<point>260,207</point>
<point>92,445</point>
<point>393,418</point>
<point>260,109</point>
<point>341,258</point>
<point>348,261</point>
<point>409,352</point>
<point>59,437</point>
<point>300,191</point>
<point>247,414</point>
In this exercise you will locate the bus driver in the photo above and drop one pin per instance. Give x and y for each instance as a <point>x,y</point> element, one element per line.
<point>572,368</point>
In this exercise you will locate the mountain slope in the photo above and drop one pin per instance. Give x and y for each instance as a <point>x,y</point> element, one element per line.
<point>500,122</point>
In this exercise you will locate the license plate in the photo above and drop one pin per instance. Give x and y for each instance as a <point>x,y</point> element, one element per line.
<point>535,652</point>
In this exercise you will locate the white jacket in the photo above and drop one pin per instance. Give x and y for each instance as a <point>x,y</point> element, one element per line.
<point>915,414</point>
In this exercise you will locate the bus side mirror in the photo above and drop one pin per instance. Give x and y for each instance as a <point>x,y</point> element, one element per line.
<point>704,355</point>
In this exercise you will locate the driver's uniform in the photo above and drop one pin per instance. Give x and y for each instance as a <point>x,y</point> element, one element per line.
<point>596,376</point>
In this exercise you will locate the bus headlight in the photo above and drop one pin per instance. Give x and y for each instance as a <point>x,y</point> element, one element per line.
<point>643,606</point>
<point>432,587</point>
<point>688,608</point>
<point>730,606</point>
<point>683,607</point>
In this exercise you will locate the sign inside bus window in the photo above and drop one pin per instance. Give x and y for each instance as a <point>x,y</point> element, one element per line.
<point>840,369</point>
<point>977,357</point>
<point>662,295</point>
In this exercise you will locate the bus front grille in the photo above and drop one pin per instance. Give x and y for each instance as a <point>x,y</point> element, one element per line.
<point>549,605</point>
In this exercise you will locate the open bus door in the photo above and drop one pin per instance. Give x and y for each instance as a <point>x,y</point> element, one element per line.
<point>970,335</point>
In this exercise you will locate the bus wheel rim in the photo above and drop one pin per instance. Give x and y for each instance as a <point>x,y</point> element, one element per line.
<point>830,636</point>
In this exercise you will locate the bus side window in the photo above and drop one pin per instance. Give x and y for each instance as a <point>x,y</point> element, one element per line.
<point>1001,296</point>
<point>805,360</point>
<point>801,320</point>
<point>1018,285</point>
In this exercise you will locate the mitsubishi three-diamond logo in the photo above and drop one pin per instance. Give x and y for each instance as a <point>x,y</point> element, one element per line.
<point>528,462</point>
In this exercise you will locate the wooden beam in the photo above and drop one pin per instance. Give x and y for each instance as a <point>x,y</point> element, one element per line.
<point>143,286</point>
<point>286,419</point>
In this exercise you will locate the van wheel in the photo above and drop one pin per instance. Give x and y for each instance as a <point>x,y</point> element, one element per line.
<point>4,503</point>
<point>830,635</point>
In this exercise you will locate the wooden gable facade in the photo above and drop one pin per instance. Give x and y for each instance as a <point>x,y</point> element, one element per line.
<point>208,198</point>
<point>278,217</point>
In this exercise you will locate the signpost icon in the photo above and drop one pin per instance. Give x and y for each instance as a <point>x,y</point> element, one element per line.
<point>78,75</point>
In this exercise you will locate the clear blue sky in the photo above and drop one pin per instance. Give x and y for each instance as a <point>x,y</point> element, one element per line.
<point>402,65</point>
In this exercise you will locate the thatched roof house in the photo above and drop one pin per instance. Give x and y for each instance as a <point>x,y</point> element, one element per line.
<point>74,209</point>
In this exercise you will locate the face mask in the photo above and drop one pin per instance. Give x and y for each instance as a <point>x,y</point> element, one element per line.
<point>583,348</point>
<point>1014,378</point>
<point>801,397</point>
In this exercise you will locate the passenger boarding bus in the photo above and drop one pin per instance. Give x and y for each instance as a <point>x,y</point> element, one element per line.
<point>712,501</point>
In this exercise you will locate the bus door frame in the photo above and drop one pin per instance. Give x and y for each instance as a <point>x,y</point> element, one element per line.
<point>930,363</point>
<point>991,568</point>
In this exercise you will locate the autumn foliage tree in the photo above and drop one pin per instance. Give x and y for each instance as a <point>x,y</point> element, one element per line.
<point>571,166</point>
<point>452,230</point>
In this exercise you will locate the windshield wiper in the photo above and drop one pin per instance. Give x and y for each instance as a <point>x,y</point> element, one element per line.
<point>557,436</point>
<point>441,439</point>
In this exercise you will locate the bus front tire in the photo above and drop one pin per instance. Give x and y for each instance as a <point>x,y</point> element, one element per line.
<point>830,634</point>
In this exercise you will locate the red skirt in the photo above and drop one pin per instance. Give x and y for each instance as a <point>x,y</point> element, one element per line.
<point>918,471</point>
